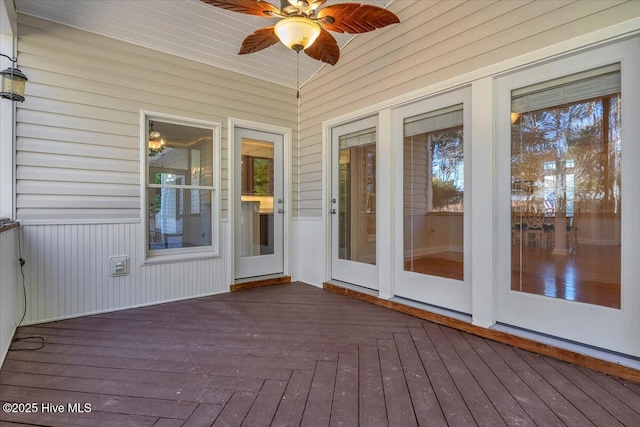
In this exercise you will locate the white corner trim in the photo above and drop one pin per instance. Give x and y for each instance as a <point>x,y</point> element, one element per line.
<point>8,18</point>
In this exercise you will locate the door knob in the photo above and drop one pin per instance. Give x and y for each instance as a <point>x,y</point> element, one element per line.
<point>280,211</point>
<point>332,211</point>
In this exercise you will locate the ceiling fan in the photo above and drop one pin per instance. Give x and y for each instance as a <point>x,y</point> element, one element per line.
<point>304,24</point>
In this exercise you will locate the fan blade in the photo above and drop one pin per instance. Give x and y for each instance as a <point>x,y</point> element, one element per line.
<point>324,49</point>
<point>355,18</point>
<point>250,7</point>
<point>260,39</point>
<point>316,4</point>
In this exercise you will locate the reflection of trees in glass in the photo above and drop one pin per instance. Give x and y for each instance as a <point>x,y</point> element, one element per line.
<point>158,198</point>
<point>447,169</point>
<point>257,176</point>
<point>369,184</point>
<point>586,132</point>
<point>344,179</point>
<point>445,193</point>
<point>262,171</point>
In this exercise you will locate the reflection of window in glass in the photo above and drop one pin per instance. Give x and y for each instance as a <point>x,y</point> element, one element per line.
<point>180,187</point>
<point>566,140</point>
<point>257,176</point>
<point>195,180</point>
<point>434,193</point>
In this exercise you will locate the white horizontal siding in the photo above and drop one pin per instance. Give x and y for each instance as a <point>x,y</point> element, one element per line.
<point>67,271</point>
<point>80,122</point>
<point>436,41</point>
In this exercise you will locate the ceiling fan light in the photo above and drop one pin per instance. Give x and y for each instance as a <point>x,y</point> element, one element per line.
<point>297,32</point>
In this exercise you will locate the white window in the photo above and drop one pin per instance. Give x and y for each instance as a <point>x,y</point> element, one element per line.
<point>181,200</point>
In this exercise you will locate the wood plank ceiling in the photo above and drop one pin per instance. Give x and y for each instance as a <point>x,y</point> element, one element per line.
<point>186,28</point>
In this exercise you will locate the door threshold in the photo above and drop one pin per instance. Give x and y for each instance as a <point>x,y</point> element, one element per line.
<point>352,287</point>
<point>259,281</point>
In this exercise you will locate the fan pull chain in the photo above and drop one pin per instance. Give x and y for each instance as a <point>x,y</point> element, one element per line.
<point>298,75</point>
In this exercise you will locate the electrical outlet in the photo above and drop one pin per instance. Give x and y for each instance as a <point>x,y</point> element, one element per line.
<point>118,266</point>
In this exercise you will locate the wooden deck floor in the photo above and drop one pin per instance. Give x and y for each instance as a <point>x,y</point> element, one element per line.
<point>292,355</point>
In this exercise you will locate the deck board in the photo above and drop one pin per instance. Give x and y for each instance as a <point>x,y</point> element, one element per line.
<point>372,403</point>
<point>291,355</point>
<point>557,403</point>
<point>528,400</point>
<point>425,403</point>
<point>396,394</point>
<point>317,412</point>
<point>266,404</point>
<point>453,406</point>
<point>293,402</point>
<point>507,404</point>
<point>235,410</point>
<point>588,405</point>
<point>344,410</point>
<point>480,405</point>
<point>202,415</point>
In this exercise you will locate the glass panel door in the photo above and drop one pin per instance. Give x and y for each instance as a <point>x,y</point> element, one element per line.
<point>259,204</point>
<point>567,200</point>
<point>354,203</point>
<point>432,263</point>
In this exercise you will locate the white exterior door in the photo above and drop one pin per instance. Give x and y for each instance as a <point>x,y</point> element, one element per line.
<point>259,203</point>
<point>432,201</point>
<point>568,198</point>
<point>353,204</point>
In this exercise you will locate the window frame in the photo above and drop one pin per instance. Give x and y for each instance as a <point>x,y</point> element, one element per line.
<point>152,256</point>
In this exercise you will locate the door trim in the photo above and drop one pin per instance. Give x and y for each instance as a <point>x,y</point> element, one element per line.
<point>286,163</point>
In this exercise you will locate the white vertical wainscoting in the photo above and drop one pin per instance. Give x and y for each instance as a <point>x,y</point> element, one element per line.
<point>9,302</point>
<point>310,254</point>
<point>67,271</point>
